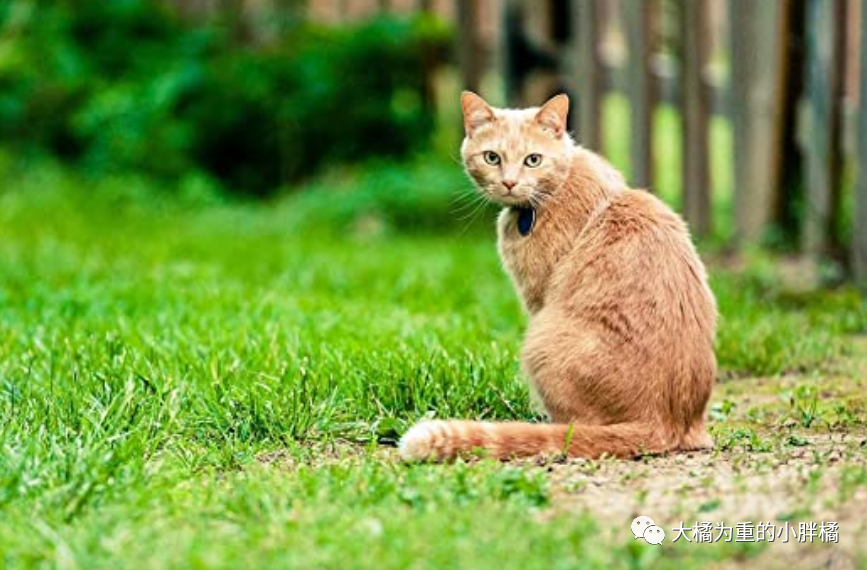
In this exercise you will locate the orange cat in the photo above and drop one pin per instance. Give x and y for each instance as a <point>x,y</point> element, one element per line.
<point>619,346</point>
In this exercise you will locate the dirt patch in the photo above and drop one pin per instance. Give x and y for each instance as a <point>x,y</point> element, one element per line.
<point>822,479</point>
<point>768,467</point>
<point>756,485</point>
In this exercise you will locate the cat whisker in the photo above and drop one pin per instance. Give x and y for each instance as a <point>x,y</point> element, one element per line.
<point>473,206</point>
<point>464,195</point>
<point>456,159</point>
<point>462,203</point>
<point>535,203</point>
<point>468,212</point>
<point>472,220</point>
<point>543,197</point>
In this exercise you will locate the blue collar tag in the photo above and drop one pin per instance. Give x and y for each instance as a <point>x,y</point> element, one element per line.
<point>526,220</point>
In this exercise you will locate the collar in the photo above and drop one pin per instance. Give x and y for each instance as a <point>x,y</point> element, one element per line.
<point>526,219</point>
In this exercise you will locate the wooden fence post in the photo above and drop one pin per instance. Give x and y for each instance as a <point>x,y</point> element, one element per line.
<point>824,87</point>
<point>694,116</point>
<point>590,77</point>
<point>509,25</point>
<point>637,15</point>
<point>788,166</point>
<point>859,247</point>
<point>754,47</point>
<point>538,28</point>
<point>469,45</point>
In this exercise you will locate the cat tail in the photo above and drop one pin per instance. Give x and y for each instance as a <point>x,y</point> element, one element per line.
<point>438,440</point>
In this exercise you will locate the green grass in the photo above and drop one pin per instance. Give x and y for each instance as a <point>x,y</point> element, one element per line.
<point>209,385</point>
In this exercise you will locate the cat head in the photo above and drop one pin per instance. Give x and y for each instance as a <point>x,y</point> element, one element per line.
<point>516,157</point>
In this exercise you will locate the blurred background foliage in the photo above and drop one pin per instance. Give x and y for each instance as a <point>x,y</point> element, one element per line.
<point>349,109</point>
<point>134,86</point>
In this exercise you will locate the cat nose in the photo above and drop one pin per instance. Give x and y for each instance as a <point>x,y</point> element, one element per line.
<point>509,184</point>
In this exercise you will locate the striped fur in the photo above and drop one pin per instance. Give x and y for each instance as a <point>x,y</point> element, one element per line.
<point>439,440</point>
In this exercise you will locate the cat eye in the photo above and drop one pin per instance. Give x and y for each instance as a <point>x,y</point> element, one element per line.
<point>492,158</point>
<point>533,160</point>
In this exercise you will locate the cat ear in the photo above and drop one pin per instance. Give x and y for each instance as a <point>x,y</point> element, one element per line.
<point>553,114</point>
<point>476,112</point>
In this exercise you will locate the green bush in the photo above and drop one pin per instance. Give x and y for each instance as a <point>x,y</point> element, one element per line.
<point>129,84</point>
